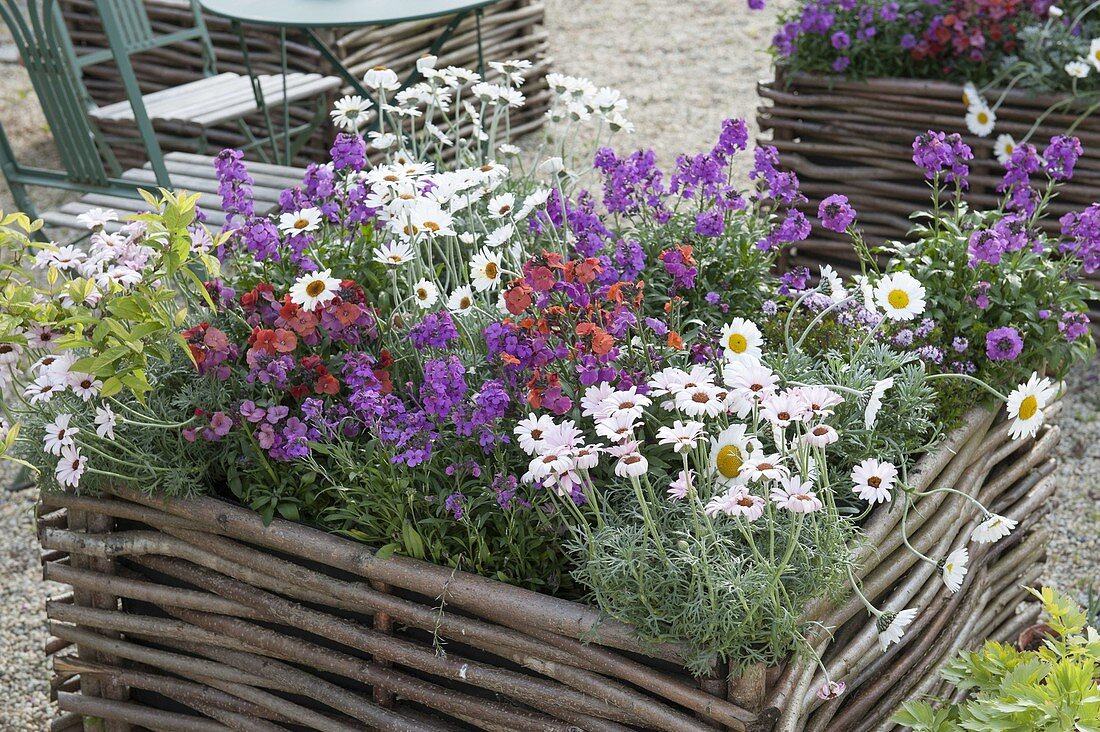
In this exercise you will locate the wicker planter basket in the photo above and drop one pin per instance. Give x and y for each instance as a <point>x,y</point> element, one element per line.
<point>191,615</point>
<point>855,137</point>
<point>509,29</point>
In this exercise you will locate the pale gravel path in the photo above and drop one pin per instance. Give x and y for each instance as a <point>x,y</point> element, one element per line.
<point>684,67</point>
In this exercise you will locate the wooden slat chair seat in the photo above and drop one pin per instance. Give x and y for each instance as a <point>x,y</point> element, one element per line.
<point>212,100</point>
<point>190,172</point>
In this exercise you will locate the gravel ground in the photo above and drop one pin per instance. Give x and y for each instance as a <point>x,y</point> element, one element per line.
<point>684,68</point>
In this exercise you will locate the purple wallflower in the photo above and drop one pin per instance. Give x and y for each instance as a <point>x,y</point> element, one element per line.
<point>940,154</point>
<point>793,281</point>
<point>985,245</point>
<point>1073,326</point>
<point>348,151</point>
<point>841,63</point>
<point>234,184</point>
<point>456,504</point>
<point>1016,184</point>
<point>1003,344</point>
<point>444,386</point>
<point>836,213</point>
<point>1060,156</point>
<point>840,40</point>
<point>710,223</point>
<point>1081,232</point>
<point>436,330</point>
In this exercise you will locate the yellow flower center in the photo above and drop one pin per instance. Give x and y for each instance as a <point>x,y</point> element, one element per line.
<point>730,461</point>
<point>982,118</point>
<point>1009,147</point>
<point>898,299</point>
<point>380,68</point>
<point>464,303</point>
<point>737,343</point>
<point>301,223</point>
<point>422,294</point>
<point>966,99</point>
<point>491,270</point>
<point>432,226</point>
<point>315,288</point>
<point>1028,407</point>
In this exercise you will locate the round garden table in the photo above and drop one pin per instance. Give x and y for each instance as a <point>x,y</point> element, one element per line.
<point>304,16</point>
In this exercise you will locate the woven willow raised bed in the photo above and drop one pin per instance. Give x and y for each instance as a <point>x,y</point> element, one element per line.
<point>855,138</point>
<point>509,29</point>
<point>191,615</point>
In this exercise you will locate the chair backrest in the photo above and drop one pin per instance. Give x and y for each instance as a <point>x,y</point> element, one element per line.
<point>43,44</point>
<point>129,31</point>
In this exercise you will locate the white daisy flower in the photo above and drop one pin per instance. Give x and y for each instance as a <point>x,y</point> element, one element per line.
<point>565,436</point>
<point>682,436</point>
<point>736,502</point>
<point>592,403</point>
<point>874,401</point>
<point>485,270</point>
<point>97,218</point>
<point>819,400</point>
<point>617,427</point>
<point>796,495</point>
<point>394,253</point>
<point>300,222</point>
<point>994,528</point>
<point>1025,406</point>
<point>383,78</point>
<point>632,465</point>
<point>314,290</point>
<point>10,353</point>
<point>461,300</point>
<point>765,467</point>
<point>873,480</point>
<point>729,450</point>
<point>382,140</point>
<point>783,408</point>
<point>680,487</point>
<point>702,400</point>
<point>502,205</point>
<point>530,432</point>
<point>500,235</point>
<point>741,340</point>
<point>59,434</point>
<point>425,294</point>
<point>837,291</point>
<point>891,626</point>
<point>1077,69</point>
<point>970,94</point>
<point>508,150</point>
<point>900,296</point>
<point>1003,148</point>
<point>43,388</point>
<point>980,119</point>
<point>551,166</point>
<point>749,379</point>
<point>627,401</point>
<point>70,467</point>
<point>953,568</point>
<point>1094,53</point>
<point>820,435</point>
<point>105,422</point>
<point>548,463</point>
<point>84,386</point>
<point>350,112</point>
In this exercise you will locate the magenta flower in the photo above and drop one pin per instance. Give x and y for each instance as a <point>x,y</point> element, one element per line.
<point>836,213</point>
<point>1003,344</point>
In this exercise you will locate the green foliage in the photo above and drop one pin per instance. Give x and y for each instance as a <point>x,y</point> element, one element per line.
<point>1051,689</point>
<point>118,332</point>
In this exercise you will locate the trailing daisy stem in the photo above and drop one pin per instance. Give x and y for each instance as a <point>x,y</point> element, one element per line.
<point>967,377</point>
<point>648,518</point>
<point>859,593</point>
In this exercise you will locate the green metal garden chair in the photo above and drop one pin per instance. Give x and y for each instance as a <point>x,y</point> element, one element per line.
<point>186,112</point>
<point>88,165</point>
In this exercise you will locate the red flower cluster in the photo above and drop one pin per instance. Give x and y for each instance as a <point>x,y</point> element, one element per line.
<point>974,29</point>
